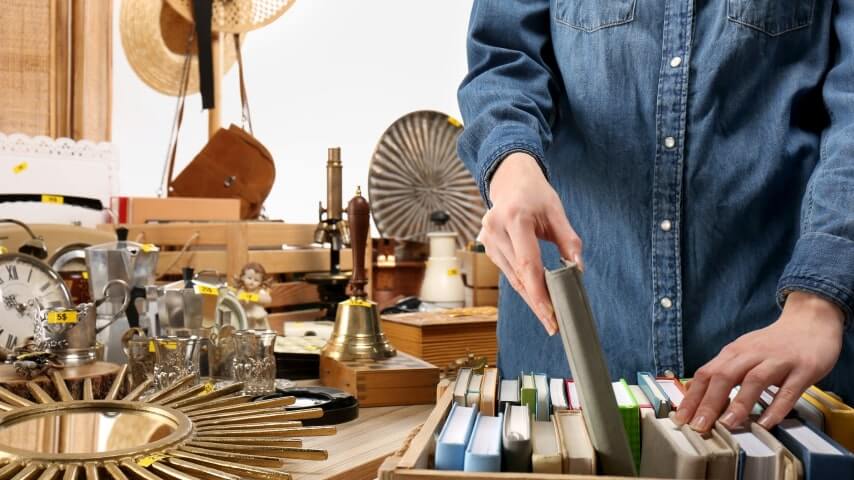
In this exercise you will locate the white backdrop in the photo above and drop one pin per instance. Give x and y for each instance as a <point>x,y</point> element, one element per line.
<point>327,73</point>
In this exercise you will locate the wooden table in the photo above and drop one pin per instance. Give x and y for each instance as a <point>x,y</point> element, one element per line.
<point>360,446</point>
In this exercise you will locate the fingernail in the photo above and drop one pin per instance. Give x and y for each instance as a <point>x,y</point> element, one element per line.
<point>699,424</point>
<point>729,420</point>
<point>766,422</point>
<point>679,419</point>
<point>551,330</point>
<point>576,258</point>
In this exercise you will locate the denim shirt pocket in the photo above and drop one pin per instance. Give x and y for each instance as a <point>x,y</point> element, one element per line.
<point>592,15</point>
<point>771,17</point>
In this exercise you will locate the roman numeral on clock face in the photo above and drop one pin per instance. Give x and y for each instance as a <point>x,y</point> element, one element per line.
<point>12,271</point>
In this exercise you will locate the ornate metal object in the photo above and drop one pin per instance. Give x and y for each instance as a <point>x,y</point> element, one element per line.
<point>180,432</point>
<point>414,172</point>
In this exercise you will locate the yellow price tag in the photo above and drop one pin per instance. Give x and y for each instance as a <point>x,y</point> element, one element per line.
<point>150,460</point>
<point>453,272</point>
<point>148,248</point>
<point>20,167</point>
<point>56,318</point>
<point>206,290</point>
<point>249,297</point>
<point>358,302</point>
<point>209,387</point>
<point>55,199</point>
<point>168,345</point>
<point>453,121</point>
<point>85,275</point>
<point>3,249</point>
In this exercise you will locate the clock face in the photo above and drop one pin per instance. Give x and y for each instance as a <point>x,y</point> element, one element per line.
<point>26,284</point>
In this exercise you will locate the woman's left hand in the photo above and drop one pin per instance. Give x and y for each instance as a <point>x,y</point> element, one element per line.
<point>794,352</point>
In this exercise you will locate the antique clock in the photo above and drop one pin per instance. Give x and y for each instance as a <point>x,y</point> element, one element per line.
<point>26,283</point>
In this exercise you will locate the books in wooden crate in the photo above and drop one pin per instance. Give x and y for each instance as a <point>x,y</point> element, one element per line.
<point>442,337</point>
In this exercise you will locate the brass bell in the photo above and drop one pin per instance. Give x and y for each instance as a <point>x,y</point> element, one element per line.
<point>358,332</point>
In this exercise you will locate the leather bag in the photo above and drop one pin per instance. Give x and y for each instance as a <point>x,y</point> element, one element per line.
<point>233,164</point>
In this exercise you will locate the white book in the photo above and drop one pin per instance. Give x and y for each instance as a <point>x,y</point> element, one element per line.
<point>623,395</point>
<point>673,392</point>
<point>678,437</point>
<point>808,438</point>
<point>509,393</point>
<point>574,399</point>
<point>557,389</point>
<point>473,395</point>
<point>643,402</point>
<point>483,441</point>
<point>546,457</point>
<point>461,388</point>
<point>759,460</point>
<point>541,382</point>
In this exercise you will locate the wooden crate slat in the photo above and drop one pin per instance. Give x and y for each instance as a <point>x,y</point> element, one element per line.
<point>302,260</point>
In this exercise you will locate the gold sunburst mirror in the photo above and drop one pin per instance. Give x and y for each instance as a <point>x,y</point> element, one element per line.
<point>179,433</point>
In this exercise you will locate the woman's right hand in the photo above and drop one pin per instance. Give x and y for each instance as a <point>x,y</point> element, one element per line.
<point>526,208</point>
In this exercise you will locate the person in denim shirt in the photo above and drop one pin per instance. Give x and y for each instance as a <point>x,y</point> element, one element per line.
<point>704,153</point>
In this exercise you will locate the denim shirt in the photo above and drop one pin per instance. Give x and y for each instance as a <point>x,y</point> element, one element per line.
<point>703,151</point>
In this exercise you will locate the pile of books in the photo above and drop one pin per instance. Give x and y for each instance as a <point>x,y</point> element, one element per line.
<point>536,424</point>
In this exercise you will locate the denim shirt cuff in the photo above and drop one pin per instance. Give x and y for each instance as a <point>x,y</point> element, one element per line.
<point>822,264</point>
<point>503,141</point>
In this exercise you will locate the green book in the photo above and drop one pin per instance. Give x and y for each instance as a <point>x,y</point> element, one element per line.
<point>528,392</point>
<point>630,413</point>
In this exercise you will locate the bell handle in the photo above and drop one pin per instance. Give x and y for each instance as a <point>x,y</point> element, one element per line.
<point>359,216</point>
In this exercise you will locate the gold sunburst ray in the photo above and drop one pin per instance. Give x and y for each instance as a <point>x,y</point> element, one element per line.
<point>214,433</point>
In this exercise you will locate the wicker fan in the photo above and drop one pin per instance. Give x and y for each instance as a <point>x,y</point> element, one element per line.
<point>415,171</point>
<point>237,16</point>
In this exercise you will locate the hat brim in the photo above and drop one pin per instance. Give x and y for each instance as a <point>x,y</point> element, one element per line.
<point>149,30</point>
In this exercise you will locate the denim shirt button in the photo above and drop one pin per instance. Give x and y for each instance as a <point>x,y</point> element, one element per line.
<point>666,225</point>
<point>675,62</point>
<point>669,373</point>
<point>669,142</point>
<point>667,303</point>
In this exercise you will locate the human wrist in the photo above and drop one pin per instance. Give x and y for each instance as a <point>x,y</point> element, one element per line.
<point>515,166</point>
<point>800,304</point>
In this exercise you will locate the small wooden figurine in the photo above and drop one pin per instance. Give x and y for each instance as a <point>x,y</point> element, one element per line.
<point>253,289</point>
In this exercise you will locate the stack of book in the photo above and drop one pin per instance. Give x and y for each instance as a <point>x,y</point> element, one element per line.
<point>536,424</point>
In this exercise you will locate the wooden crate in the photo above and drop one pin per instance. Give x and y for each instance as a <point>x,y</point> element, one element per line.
<point>442,337</point>
<point>227,246</point>
<point>413,461</point>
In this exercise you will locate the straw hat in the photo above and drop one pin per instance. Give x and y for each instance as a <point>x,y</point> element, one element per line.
<point>237,16</point>
<point>154,37</point>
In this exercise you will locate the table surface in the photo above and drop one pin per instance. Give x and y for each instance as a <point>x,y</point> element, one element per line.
<point>360,446</point>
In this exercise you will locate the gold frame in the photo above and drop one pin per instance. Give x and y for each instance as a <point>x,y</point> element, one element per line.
<point>220,434</point>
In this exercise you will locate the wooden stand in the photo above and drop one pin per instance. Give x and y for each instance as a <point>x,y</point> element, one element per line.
<point>100,373</point>
<point>400,380</point>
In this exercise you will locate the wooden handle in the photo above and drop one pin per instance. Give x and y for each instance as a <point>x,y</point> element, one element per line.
<point>359,215</point>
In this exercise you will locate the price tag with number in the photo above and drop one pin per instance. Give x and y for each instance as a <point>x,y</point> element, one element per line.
<point>206,290</point>
<point>55,199</point>
<point>150,460</point>
<point>453,272</point>
<point>57,318</point>
<point>249,297</point>
<point>148,248</point>
<point>358,302</point>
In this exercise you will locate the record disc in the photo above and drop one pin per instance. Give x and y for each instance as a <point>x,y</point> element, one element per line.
<point>415,171</point>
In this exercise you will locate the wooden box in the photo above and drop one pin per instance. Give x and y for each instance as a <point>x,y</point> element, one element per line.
<point>400,380</point>
<point>442,337</point>
<point>145,209</point>
<point>414,460</point>
<point>480,277</point>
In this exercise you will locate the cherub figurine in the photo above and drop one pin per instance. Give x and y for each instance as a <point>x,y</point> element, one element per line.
<point>253,289</point>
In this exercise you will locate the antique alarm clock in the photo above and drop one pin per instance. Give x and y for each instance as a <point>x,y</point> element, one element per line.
<point>26,283</point>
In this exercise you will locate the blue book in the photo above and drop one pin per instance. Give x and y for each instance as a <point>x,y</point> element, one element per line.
<point>656,396</point>
<point>483,453</point>
<point>452,441</point>
<point>821,456</point>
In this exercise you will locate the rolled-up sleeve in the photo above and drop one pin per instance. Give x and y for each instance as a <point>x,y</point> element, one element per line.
<point>823,259</point>
<point>507,97</point>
